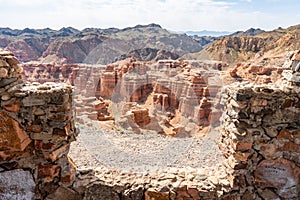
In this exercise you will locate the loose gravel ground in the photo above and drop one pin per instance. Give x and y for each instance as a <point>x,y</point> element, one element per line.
<point>128,151</point>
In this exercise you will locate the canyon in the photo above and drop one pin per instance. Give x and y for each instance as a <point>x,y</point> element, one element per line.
<point>258,146</point>
<point>171,97</point>
<point>136,124</point>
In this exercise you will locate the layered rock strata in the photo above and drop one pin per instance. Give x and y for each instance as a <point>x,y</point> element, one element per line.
<point>171,97</point>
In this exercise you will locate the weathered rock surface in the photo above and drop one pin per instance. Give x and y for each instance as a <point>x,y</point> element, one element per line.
<point>281,174</point>
<point>12,136</point>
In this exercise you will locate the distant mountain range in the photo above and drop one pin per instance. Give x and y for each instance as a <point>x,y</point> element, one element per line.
<point>94,45</point>
<point>208,33</point>
<point>147,43</point>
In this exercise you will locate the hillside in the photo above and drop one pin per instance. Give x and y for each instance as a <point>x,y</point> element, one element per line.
<point>148,43</point>
<point>253,45</point>
<point>93,45</point>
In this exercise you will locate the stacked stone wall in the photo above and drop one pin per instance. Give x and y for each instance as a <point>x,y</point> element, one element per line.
<point>261,140</point>
<point>36,129</point>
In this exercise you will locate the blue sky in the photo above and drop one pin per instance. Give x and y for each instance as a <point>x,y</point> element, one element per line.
<point>176,15</point>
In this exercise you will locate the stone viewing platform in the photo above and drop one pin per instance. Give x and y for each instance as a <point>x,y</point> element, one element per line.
<point>254,154</point>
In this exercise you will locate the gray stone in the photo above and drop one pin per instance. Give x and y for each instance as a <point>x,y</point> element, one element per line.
<point>7,81</point>
<point>136,194</point>
<point>16,184</point>
<point>63,193</point>
<point>100,191</point>
<point>296,66</point>
<point>291,76</point>
<point>33,101</point>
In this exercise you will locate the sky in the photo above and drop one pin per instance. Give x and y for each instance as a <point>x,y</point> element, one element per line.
<point>174,15</point>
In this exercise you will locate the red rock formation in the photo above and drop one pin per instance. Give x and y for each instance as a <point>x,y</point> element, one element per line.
<point>168,86</point>
<point>255,73</point>
<point>50,72</point>
<point>170,89</point>
<point>141,116</point>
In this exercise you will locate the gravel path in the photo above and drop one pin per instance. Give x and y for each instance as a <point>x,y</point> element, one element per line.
<point>95,146</point>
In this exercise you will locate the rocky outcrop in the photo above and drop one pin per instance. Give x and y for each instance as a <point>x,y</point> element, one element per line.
<point>256,73</point>
<point>149,54</point>
<point>268,74</point>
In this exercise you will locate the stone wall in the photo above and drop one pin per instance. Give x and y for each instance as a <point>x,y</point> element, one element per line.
<point>36,129</point>
<point>261,140</point>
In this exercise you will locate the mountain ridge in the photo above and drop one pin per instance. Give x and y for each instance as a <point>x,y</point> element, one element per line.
<point>104,46</point>
<point>93,45</point>
<point>253,45</point>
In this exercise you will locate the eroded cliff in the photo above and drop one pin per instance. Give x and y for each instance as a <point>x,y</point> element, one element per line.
<point>177,98</point>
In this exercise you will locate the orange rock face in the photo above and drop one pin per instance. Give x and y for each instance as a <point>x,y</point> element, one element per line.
<point>256,73</point>
<point>152,194</point>
<point>141,117</point>
<point>12,136</point>
<point>49,72</point>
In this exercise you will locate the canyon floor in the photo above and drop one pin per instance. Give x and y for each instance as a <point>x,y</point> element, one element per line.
<point>133,151</point>
<point>153,159</point>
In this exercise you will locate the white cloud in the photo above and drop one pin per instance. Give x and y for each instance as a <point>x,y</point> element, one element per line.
<point>171,14</point>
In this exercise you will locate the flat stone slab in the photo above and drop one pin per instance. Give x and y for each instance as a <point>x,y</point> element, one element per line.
<point>16,184</point>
